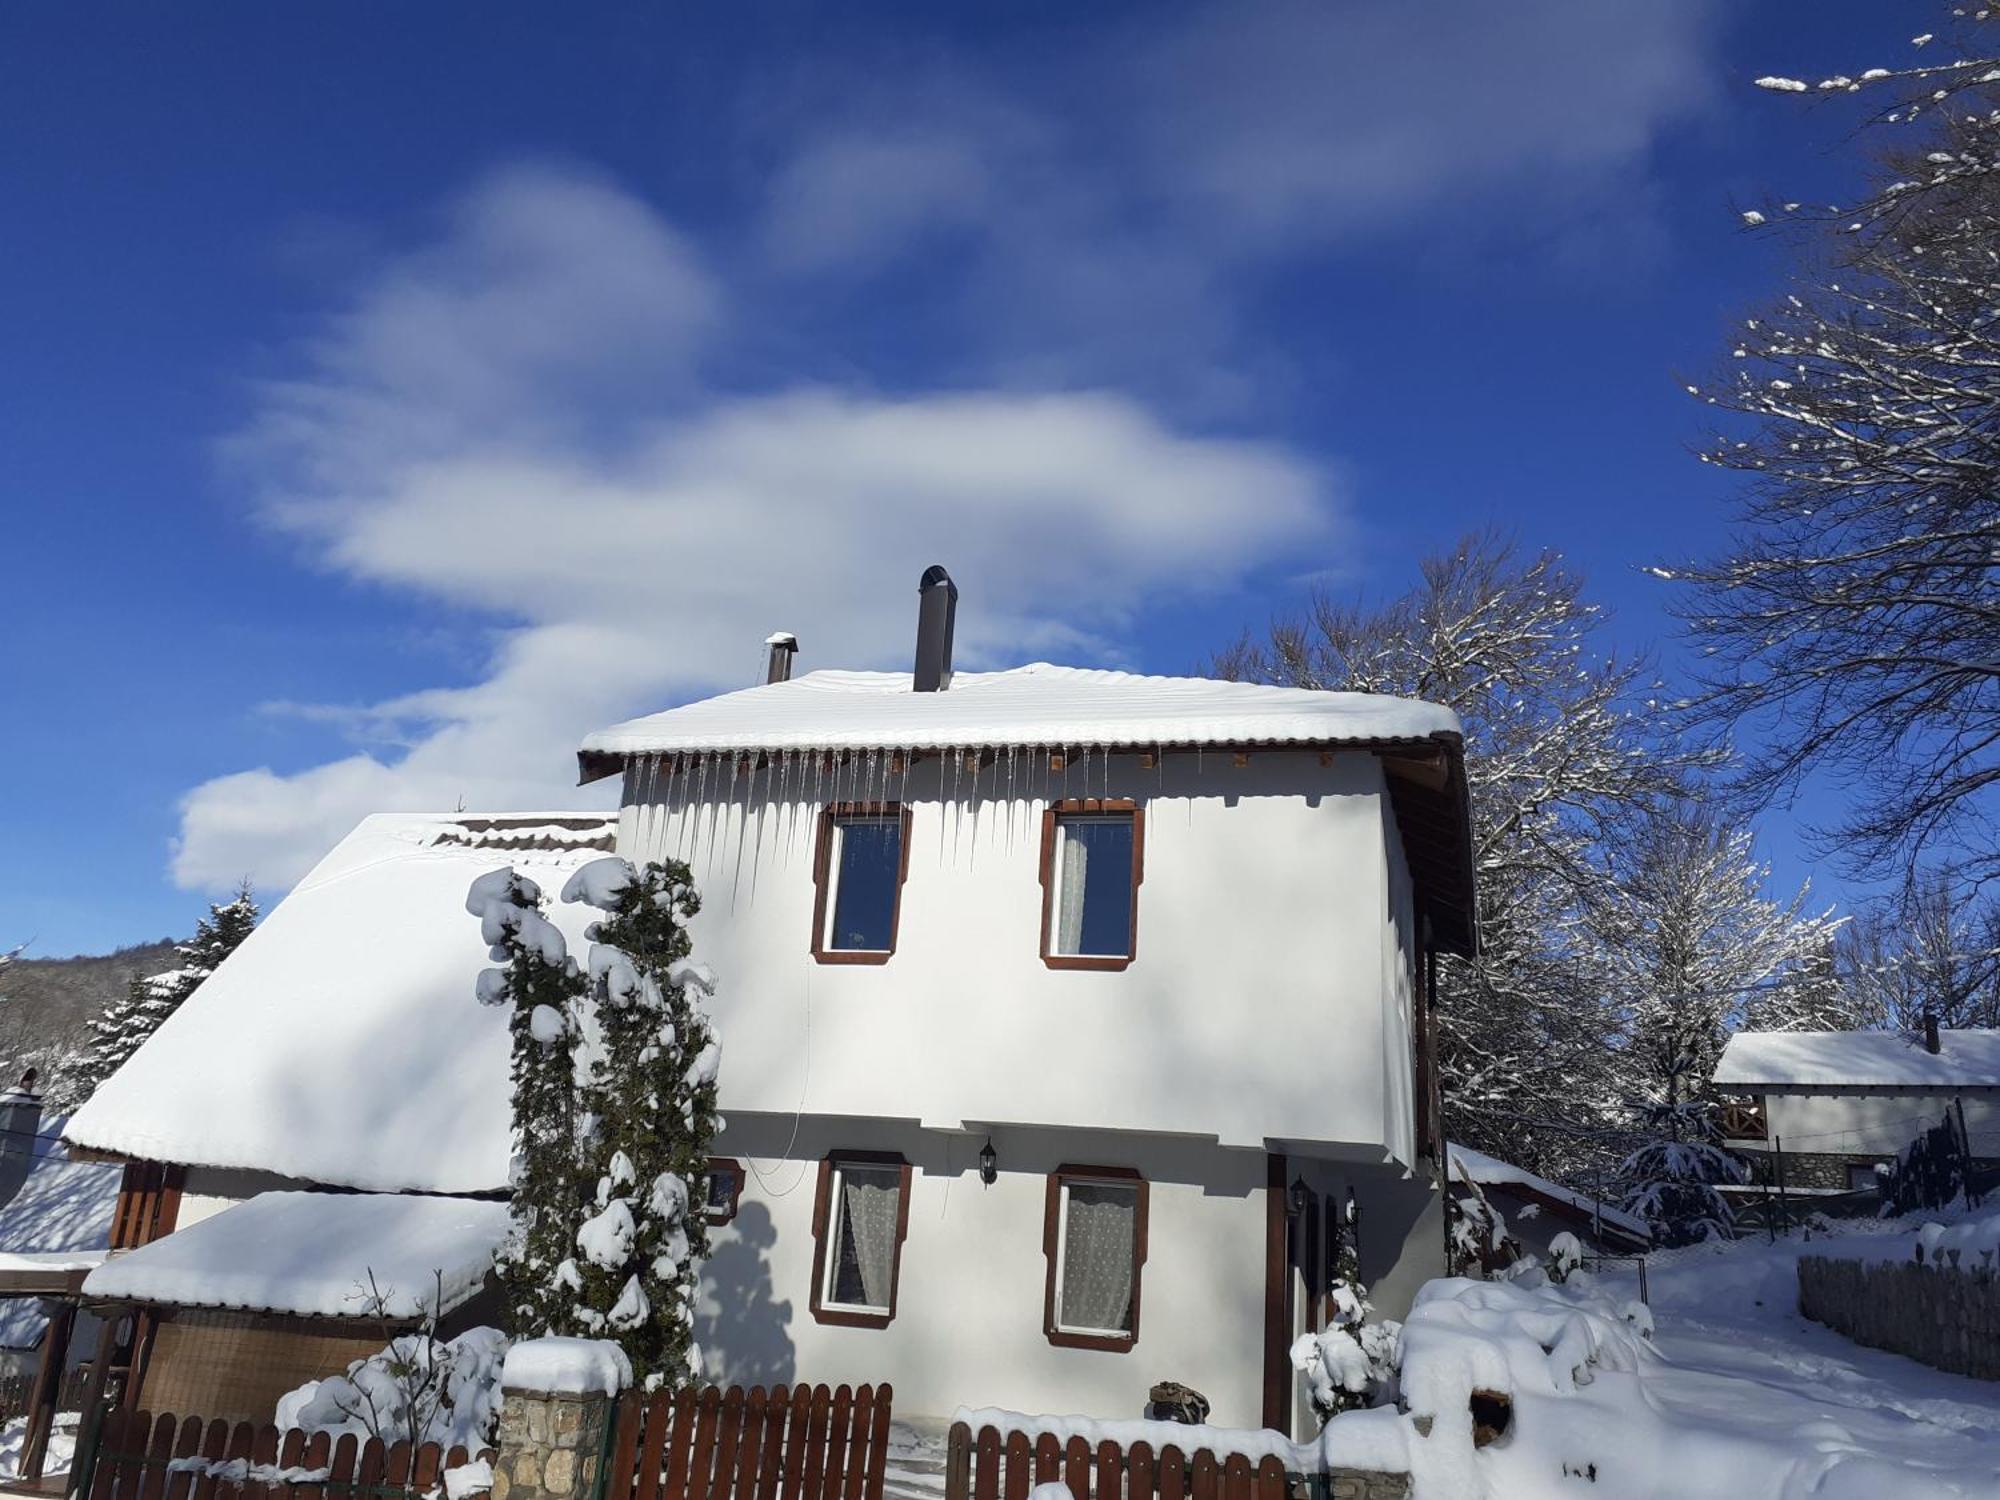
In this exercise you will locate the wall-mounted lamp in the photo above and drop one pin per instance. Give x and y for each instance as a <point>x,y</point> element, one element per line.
<point>989,1163</point>
<point>1300,1197</point>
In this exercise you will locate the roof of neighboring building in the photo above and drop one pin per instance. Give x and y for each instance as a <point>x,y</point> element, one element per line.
<point>1877,1060</point>
<point>317,1255</point>
<point>1038,704</point>
<point>1491,1172</point>
<point>342,1043</point>
<point>60,1219</point>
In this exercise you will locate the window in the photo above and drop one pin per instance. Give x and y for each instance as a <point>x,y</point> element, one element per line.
<point>1861,1177</point>
<point>863,858</point>
<point>1094,1237</point>
<point>1093,858</point>
<point>860,1217</point>
<point>725,1189</point>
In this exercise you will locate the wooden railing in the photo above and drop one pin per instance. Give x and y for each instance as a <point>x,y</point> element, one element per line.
<point>140,1456</point>
<point>1743,1121</point>
<point>788,1443</point>
<point>991,1465</point>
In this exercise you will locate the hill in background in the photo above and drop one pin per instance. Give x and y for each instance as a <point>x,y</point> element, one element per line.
<point>46,1003</point>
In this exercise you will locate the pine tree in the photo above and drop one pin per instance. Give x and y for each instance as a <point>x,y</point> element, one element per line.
<point>543,988</point>
<point>117,1032</point>
<point>651,1093</point>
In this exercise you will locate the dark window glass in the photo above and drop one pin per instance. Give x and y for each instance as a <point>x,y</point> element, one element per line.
<point>1093,909</point>
<point>867,862</point>
<point>722,1190</point>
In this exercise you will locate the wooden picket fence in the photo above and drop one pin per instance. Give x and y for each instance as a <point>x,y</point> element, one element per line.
<point>136,1452</point>
<point>17,1390</point>
<point>787,1443</point>
<point>992,1465</point>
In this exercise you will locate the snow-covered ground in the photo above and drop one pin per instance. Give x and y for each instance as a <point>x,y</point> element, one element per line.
<point>1750,1399</point>
<point>62,1446</point>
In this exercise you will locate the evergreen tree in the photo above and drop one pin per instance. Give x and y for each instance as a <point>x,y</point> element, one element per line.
<point>651,1095</point>
<point>1671,1181</point>
<point>1351,1362</point>
<point>543,988</point>
<point>117,1032</point>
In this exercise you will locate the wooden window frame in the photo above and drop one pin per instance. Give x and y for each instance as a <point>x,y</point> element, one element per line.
<point>731,1165</point>
<point>1091,807</point>
<point>823,881</point>
<point>854,1317</point>
<point>1052,1216</point>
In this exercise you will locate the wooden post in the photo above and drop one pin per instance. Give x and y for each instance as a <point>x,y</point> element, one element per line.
<point>1964,1149</point>
<point>48,1384</point>
<point>93,1401</point>
<point>1784,1204</point>
<point>1277,1298</point>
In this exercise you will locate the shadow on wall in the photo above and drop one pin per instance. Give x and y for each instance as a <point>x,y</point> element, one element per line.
<point>742,1330</point>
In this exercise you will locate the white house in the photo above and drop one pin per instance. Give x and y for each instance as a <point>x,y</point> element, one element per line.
<point>1064,1014</point>
<point>1837,1102</point>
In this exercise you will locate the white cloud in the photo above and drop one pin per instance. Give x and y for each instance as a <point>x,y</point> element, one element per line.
<point>511,422</point>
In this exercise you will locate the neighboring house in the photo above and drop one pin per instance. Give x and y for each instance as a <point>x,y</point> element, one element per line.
<point>1835,1103</point>
<point>1062,1012</point>
<point>1536,1210</point>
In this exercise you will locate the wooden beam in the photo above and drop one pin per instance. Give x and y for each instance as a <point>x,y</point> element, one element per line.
<point>48,1386</point>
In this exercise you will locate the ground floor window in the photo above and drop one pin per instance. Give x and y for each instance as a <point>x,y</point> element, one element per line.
<point>725,1189</point>
<point>1861,1177</point>
<point>1094,1237</point>
<point>860,1218</point>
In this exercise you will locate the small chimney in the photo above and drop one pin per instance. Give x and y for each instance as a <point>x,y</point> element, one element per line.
<point>1930,1032</point>
<point>937,606</point>
<point>784,646</point>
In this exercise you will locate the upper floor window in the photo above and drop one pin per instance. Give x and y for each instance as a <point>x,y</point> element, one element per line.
<point>862,860</point>
<point>860,1217</point>
<point>1092,863</point>
<point>1094,1236</point>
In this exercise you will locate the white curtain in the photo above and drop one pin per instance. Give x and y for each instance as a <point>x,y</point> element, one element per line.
<point>1097,1256</point>
<point>868,1236</point>
<point>1069,916</point>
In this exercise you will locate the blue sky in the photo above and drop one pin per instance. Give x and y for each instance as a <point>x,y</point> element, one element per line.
<point>393,393</point>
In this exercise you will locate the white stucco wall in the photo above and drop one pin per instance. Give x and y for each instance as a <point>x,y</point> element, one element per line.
<point>207,1191</point>
<point>1879,1124</point>
<point>1255,1009</point>
<point>968,1326</point>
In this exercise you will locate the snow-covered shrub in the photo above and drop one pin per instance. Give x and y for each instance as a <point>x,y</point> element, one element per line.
<point>416,1390</point>
<point>1565,1256</point>
<point>1351,1362</point>
<point>1672,1186</point>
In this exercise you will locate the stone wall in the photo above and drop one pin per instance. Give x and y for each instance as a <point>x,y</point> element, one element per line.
<point>550,1445</point>
<point>1947,1318</point>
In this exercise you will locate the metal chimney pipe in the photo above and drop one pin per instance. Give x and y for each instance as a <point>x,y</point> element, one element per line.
<point>1930,1032</point>
<point>937,607</point>
<point>784,646</point>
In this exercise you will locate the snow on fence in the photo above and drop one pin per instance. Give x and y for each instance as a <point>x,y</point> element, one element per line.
<point>788,1443</point>
<point>140,1456</point>
<point>994,1465</point>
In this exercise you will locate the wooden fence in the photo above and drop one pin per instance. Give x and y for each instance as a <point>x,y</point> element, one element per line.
<point>788,1443</point>
<point>995,1466</point>
<point>17,1390</point>
<point>139,1456</point>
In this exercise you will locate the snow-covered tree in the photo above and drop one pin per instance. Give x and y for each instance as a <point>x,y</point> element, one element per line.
<point>1559,747</point>
<point>1688,944</point>
<point>543,988</point>
<point>1929,948</point>
<point>1929,1172</point>
<point>1672,1180</point>
<point>1853,620</point>
<point>1351,1362</point>
<point>117,1032</point>
<point>651,1093</point>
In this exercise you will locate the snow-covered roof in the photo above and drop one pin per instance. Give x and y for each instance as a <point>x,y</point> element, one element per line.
<point>59,1220</point>
<point>342,1043</point>
<point>312,1254</point>
<point>1490,1171</point>
<point>1038,704</point>
<point>1805,1060</point>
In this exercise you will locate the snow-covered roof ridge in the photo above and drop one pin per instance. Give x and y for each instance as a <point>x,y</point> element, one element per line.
<point>1859,1060</point>
<point>312,1255</point>
<point>341,1043</point>
<point>1490,1171</point>
<point>1037,704</point>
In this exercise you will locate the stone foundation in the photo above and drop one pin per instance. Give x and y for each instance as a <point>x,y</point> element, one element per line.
<point>551,1445</point>
<point>1946,1318</point>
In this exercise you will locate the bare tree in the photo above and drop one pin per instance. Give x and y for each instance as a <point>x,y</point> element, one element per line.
<point>1930,948</point>
<point>1558,748</point>
<point>1855,622</point>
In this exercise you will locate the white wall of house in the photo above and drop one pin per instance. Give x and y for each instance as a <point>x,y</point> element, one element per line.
<point>207,1191</point>
<point>1873,1124</point>
<point>968,1328</point>
<point>1268,999</point>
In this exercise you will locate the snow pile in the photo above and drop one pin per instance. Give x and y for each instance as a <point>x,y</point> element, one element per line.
<point>474,1478</point>
<point>316,1255</point>
<point>417,1389</point>
<point>1968,1246</point>
<point>61,1450</point>
<point>570,1367</point>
